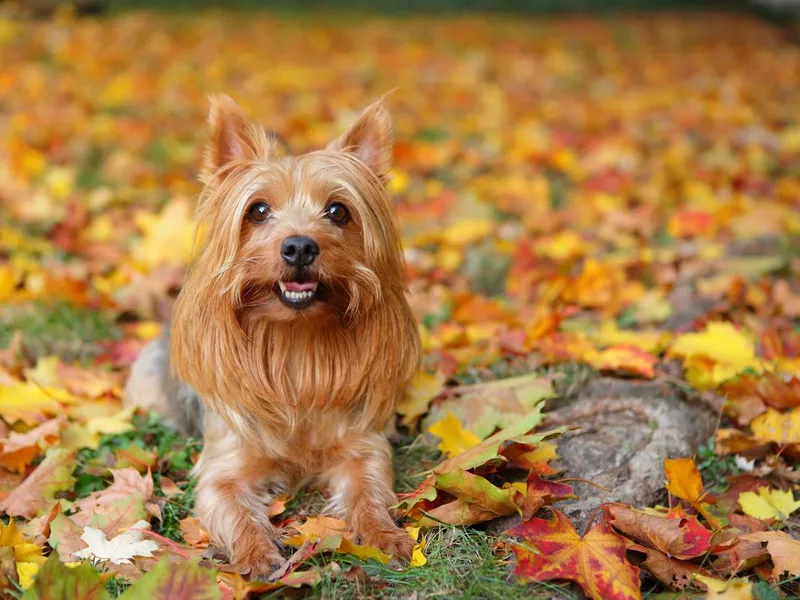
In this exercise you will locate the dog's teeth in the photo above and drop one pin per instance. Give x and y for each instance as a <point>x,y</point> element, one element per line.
<point>282,286</point>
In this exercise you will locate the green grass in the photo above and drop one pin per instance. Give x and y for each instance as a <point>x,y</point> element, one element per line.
<point>57,328</point>
<point>461,564</point>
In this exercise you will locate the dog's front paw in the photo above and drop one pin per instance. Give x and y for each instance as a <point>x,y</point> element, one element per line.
<point>260,560</point>
<point>394,541</point>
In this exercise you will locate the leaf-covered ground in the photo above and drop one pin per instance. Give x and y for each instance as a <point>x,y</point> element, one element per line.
<point>578,195</point>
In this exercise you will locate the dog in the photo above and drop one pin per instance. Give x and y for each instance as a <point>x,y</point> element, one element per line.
<point>292,339</point>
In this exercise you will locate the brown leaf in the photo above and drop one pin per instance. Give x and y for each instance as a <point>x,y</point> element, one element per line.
<point>39,489</point>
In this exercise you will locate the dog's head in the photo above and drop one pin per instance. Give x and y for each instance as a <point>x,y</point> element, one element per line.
<point>298,238</point>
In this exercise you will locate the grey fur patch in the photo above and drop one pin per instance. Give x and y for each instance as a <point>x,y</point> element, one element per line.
<point>152,386</point>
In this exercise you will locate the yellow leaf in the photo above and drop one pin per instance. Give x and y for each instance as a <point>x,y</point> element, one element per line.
<point>734,589</point>
<point>563,246</point>
<point>8,281</point>
<point>117,423</point>
<point>26,571</point>
<point>44,374</point>
<point>418,558</point>
<point>168,237</point>
<point>347,546</point>
<point>769,504</point>
<point>466,232</point>
<point>27,555</point>
<point>315,528</point>
<point>544,452</point>
<point>26,402</point>
<point>423,388</point>
<point>454,438</point>
<point>774,426</point>
<point>716,354</point>
<point>76,436</point>
<point>649,340</point>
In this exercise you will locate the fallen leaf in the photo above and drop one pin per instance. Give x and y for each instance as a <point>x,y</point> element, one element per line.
<point>454,439</point>
<point>774,426</point>
<point>19,449</point>
<point>423,388</point>
<point>193,533</point>
<point>37,492</point>
<point>175,581</point>
<point>596,561</point>
<point>783,550</point>
<point>727,351</point>
<point>678,536</point>
<point>625,359</point>
<point>677,574</point>
<point>121,549</point>
<point>56,581</point>
<point>684,481</point>
<point>769,504</point>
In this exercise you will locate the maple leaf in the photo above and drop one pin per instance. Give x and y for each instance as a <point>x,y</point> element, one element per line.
<point>65,537</point>
<point>56,581</point>
<point>671,571</point>
<point>193,533</point>
<point>482,408</point>
<point>735,589</point>
<point>714,355</point>
<point>176,581</point>
<point>625,359</point>
<point>27,555</point>
<point>595,561</point>
<point>29,402</point>
<point>539,492</point>
<point>768,504</point>
<point>684,481</point>
<point>423,388</point>
<point>489,449</point>
<point>783,550</point>
<point>454,439</point>
<point>19,449</point>
<point>781,428</point>
<point>120,549</point>
<point>477,500</point>
<point>37,492</point>
<point>677,535</point>
<point>168,238</point>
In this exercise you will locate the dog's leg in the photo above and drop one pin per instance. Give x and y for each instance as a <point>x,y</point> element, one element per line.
<point>362,488</point>
<point>233,489</point>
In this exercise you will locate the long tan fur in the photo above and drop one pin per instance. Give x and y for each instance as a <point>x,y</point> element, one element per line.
<point>295,395</point>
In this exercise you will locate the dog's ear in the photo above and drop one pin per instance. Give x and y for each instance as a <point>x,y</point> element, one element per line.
<point>370,139</point>
<point>231,137</point>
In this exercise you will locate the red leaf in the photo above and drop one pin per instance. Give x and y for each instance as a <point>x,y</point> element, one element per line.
<point>596,562</point>
<point>678,536</point>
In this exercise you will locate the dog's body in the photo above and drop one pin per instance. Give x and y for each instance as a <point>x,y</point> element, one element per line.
<point>292,339</point>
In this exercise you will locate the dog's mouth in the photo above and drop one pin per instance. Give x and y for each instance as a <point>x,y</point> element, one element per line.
<point>298,294</point>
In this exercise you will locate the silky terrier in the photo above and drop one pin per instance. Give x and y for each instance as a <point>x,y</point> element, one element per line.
<point>292,338</point>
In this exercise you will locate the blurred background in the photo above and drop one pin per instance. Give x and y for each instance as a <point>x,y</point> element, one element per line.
<point>546,152</point>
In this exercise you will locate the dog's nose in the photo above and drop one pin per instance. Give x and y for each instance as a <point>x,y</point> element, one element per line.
<point>299,251</point>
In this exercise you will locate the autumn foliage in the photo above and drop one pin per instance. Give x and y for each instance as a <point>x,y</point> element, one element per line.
<point>620,194</point>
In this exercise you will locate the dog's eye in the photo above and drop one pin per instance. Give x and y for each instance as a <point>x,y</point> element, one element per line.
<point>258,213</point>
<point>337,213</point>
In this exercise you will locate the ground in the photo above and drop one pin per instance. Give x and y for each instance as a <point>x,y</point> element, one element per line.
<point>586,203</point>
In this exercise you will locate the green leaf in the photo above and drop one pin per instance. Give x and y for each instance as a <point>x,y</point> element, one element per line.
<point>55,581</point>
<point>175,581</point>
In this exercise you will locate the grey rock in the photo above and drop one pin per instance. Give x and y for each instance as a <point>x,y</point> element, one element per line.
<point>626,430</point>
